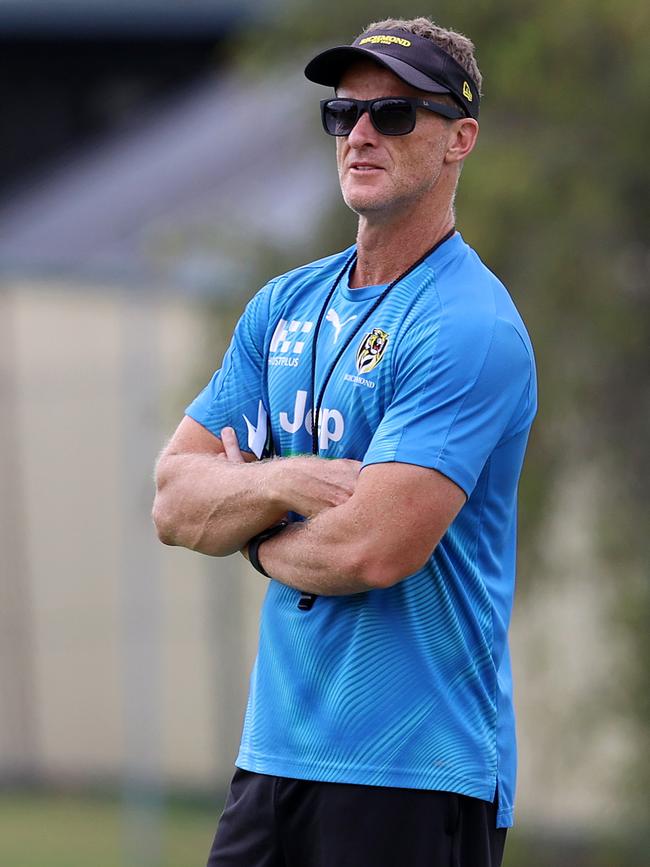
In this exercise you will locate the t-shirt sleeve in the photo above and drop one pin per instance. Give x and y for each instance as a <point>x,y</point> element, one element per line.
<point>458,394</point>
<point>234,395</point>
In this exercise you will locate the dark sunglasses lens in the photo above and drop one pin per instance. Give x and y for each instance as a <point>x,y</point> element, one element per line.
<point>339,116</point>
<point>393,116</point>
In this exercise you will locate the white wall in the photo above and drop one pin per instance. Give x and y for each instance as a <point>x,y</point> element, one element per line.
<point>123,638</point>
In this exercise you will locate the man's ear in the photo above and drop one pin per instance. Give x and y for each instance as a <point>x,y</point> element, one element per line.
<point>462,138</point>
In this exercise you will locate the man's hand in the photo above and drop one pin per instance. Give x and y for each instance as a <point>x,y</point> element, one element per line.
<point>306,484</point>
<point>312,484</point>
<point>231,451</point>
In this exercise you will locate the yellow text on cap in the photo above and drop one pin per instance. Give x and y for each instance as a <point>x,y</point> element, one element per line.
<point>386,40</point>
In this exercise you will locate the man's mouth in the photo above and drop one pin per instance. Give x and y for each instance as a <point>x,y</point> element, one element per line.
<point>365,167</point>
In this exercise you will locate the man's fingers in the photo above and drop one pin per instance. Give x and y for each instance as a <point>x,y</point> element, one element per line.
<point>231,445</point>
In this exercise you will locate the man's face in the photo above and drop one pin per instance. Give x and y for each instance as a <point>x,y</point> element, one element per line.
<point>383,175</point>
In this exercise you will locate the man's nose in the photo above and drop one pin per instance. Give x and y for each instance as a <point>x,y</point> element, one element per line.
<point>363,132</point>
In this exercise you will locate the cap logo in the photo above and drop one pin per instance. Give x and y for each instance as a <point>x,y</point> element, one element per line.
<point>386,40</point>
<point>467,92</point>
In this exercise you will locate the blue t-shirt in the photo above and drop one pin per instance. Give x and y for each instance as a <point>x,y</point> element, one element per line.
<point>407,686</point>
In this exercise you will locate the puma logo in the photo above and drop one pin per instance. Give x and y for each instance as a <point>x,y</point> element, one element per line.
<point>333,318</point>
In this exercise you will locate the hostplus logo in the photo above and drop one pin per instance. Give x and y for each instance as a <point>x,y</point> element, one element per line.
<point>288,342</point>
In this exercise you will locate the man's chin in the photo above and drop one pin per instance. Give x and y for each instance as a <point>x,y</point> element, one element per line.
<point>365,203</point>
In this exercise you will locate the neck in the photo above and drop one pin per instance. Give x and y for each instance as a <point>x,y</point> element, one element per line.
<point>385,249</point>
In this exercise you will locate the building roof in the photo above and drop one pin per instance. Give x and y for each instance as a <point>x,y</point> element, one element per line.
<point>180,198</point>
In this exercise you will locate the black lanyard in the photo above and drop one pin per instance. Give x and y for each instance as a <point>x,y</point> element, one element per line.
<point>307,599</point>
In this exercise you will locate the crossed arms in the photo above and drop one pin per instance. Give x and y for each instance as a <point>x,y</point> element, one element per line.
<point>365,529</point>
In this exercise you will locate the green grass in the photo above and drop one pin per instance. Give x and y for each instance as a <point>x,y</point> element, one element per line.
<point>74,831</point>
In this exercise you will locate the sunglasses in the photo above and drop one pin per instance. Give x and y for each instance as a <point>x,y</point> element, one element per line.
<point>390,115</point>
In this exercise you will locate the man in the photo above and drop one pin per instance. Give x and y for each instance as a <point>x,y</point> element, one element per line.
<point>389,390</point>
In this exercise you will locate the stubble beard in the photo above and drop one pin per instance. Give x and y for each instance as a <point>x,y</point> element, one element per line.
<point>380,206</point>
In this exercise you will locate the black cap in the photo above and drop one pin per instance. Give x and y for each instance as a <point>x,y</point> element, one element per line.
<point>416,60</point>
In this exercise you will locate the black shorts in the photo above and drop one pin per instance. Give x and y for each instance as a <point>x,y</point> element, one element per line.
<point>279,822</point>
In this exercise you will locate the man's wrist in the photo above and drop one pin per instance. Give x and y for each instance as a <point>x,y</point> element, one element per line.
<point>275,482</point>
<point>254,545</point>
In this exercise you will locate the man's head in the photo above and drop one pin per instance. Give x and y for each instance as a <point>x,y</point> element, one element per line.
<point>428,57</point>
<point>382,172</point>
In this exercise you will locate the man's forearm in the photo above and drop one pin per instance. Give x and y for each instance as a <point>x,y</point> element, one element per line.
<point>209,504</point>
<point>323,556</point>
<point>365,544</point>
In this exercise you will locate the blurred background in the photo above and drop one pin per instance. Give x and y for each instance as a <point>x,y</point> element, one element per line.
<point>159,162</point>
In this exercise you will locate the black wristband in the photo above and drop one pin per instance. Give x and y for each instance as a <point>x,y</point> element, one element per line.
<point>255,543</point>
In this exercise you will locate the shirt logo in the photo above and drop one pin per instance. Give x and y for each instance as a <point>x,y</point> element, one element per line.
<point>257,434</point>
<point>372,349</point>
<point>288,342</point>
<point>333,319</point>
<point>331,423</point>
<point>359,380</point>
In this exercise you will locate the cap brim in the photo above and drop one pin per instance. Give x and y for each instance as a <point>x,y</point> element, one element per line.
<point>328,67</point>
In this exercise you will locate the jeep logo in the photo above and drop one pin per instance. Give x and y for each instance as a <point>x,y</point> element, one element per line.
<point>331,424</point>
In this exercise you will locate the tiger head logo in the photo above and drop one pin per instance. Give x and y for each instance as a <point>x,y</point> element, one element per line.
<point>371,350</point>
